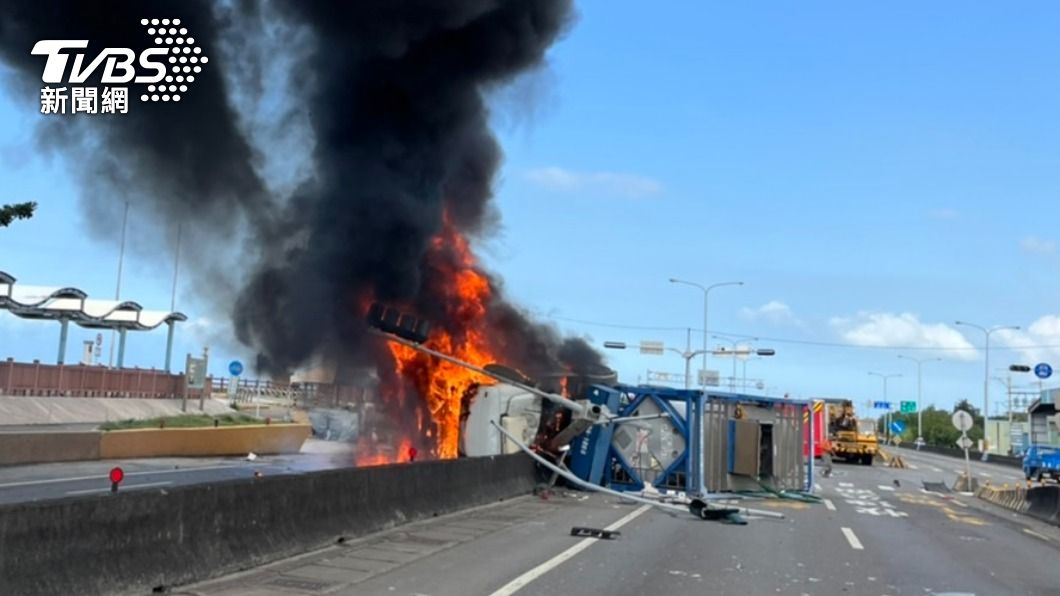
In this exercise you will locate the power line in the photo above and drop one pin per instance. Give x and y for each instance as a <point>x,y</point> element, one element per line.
<point>806,342</point>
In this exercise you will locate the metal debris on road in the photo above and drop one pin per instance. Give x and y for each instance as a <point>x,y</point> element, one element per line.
<point>594,533</point>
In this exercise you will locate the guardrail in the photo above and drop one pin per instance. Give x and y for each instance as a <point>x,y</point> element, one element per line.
<point>58,380</point>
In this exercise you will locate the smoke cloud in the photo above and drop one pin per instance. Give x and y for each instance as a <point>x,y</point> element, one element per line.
<point>391,99</point>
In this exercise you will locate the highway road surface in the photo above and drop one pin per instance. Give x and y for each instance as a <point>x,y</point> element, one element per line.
<point>39,482</point>
<point>876,532</point>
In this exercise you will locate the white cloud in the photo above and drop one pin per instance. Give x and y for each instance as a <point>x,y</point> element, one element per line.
<point>1035,245</point>
<point>774,311</point>
<point>617,183</point>
<point>1033,344</point>
<point>893,330</point>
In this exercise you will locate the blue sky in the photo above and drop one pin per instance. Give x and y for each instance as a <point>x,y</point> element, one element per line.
<point>871,171</point>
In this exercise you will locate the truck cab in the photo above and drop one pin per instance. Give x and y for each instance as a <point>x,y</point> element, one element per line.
<point>1042,461</point>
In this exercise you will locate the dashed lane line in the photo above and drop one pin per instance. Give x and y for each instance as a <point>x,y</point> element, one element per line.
<point>1037,535</point>
<point>852,539</point>
<point>829,505</point>
<point>523,580</point>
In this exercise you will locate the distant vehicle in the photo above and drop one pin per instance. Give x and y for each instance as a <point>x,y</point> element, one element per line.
<point>820,432</point>
<point>851,439</point>
<point>1041,461</point>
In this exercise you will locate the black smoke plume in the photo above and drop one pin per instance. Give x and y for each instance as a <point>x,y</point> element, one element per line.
<point>394,94</point>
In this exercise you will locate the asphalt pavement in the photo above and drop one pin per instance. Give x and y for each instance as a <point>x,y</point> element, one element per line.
<point>41,482</point>
<point>875,532</point>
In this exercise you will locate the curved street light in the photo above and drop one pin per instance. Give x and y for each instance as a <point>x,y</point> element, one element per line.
<point>706,298</point>
<point>986,371</point>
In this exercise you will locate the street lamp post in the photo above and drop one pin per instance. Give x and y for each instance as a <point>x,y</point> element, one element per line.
<point>919,402</point>
<point>986,373</point>
<point>887,424</point>
<point>687,355</point>
<point>734,342</point>
<point>706,297</point>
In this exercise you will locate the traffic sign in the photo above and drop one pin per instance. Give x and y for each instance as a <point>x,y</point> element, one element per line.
<point>881,405</point>
<point>964,442</point>
<point>1043,370</point>
<point>652,347</point>
<point>235,368</point>
<point>710,378</point>
<point>897,427</point>
<point>962,421</point>
<point>908,407</point>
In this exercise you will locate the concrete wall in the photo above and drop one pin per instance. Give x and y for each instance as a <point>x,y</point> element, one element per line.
<point>44,447</point>
<point>230,440</point>
<point>131,542</point>
<point>24,410</point>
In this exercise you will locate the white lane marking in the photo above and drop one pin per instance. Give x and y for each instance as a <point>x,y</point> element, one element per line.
<point>829,505</point>
<point>913,466</point>
<point>523,580</point>
<point>816,487</point>
<point>1036,534</point>
<point>103,476</point>
<point>934,469</point>
<point>882,487</point>
<point>107,489</point>
<point>852,539</point>
<point>984,474</point>
<point>846,484</point>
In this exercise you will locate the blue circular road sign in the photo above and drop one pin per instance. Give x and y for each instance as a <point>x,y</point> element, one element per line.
<point>235,367</point>
<point>1043,370</point>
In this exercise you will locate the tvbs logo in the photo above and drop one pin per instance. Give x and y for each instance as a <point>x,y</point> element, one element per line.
<point>167,69</point>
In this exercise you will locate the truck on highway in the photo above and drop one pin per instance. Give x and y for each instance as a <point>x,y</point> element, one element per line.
<point>851,439</point>
<point>1042,461</point>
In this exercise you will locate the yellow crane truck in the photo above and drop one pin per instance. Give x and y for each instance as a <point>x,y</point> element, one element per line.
<point>851,440</point>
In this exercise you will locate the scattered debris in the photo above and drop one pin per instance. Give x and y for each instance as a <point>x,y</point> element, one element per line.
<point>582,532</point>
<point>936,487</point>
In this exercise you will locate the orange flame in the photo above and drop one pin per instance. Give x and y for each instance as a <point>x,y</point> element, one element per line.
<point>443,385</point>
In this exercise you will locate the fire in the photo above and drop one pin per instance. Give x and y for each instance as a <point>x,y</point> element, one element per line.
<point>465,292</point>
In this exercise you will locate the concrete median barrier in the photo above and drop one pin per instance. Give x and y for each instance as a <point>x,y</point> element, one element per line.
<point>135,541</point>
<point>201,442</point>
<point>1043,502</point>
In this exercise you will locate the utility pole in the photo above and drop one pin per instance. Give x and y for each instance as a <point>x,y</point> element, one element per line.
<point>887,418</point>
<point>919,398</point>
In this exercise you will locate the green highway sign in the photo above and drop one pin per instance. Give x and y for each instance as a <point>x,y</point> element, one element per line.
<point>908,407</point>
